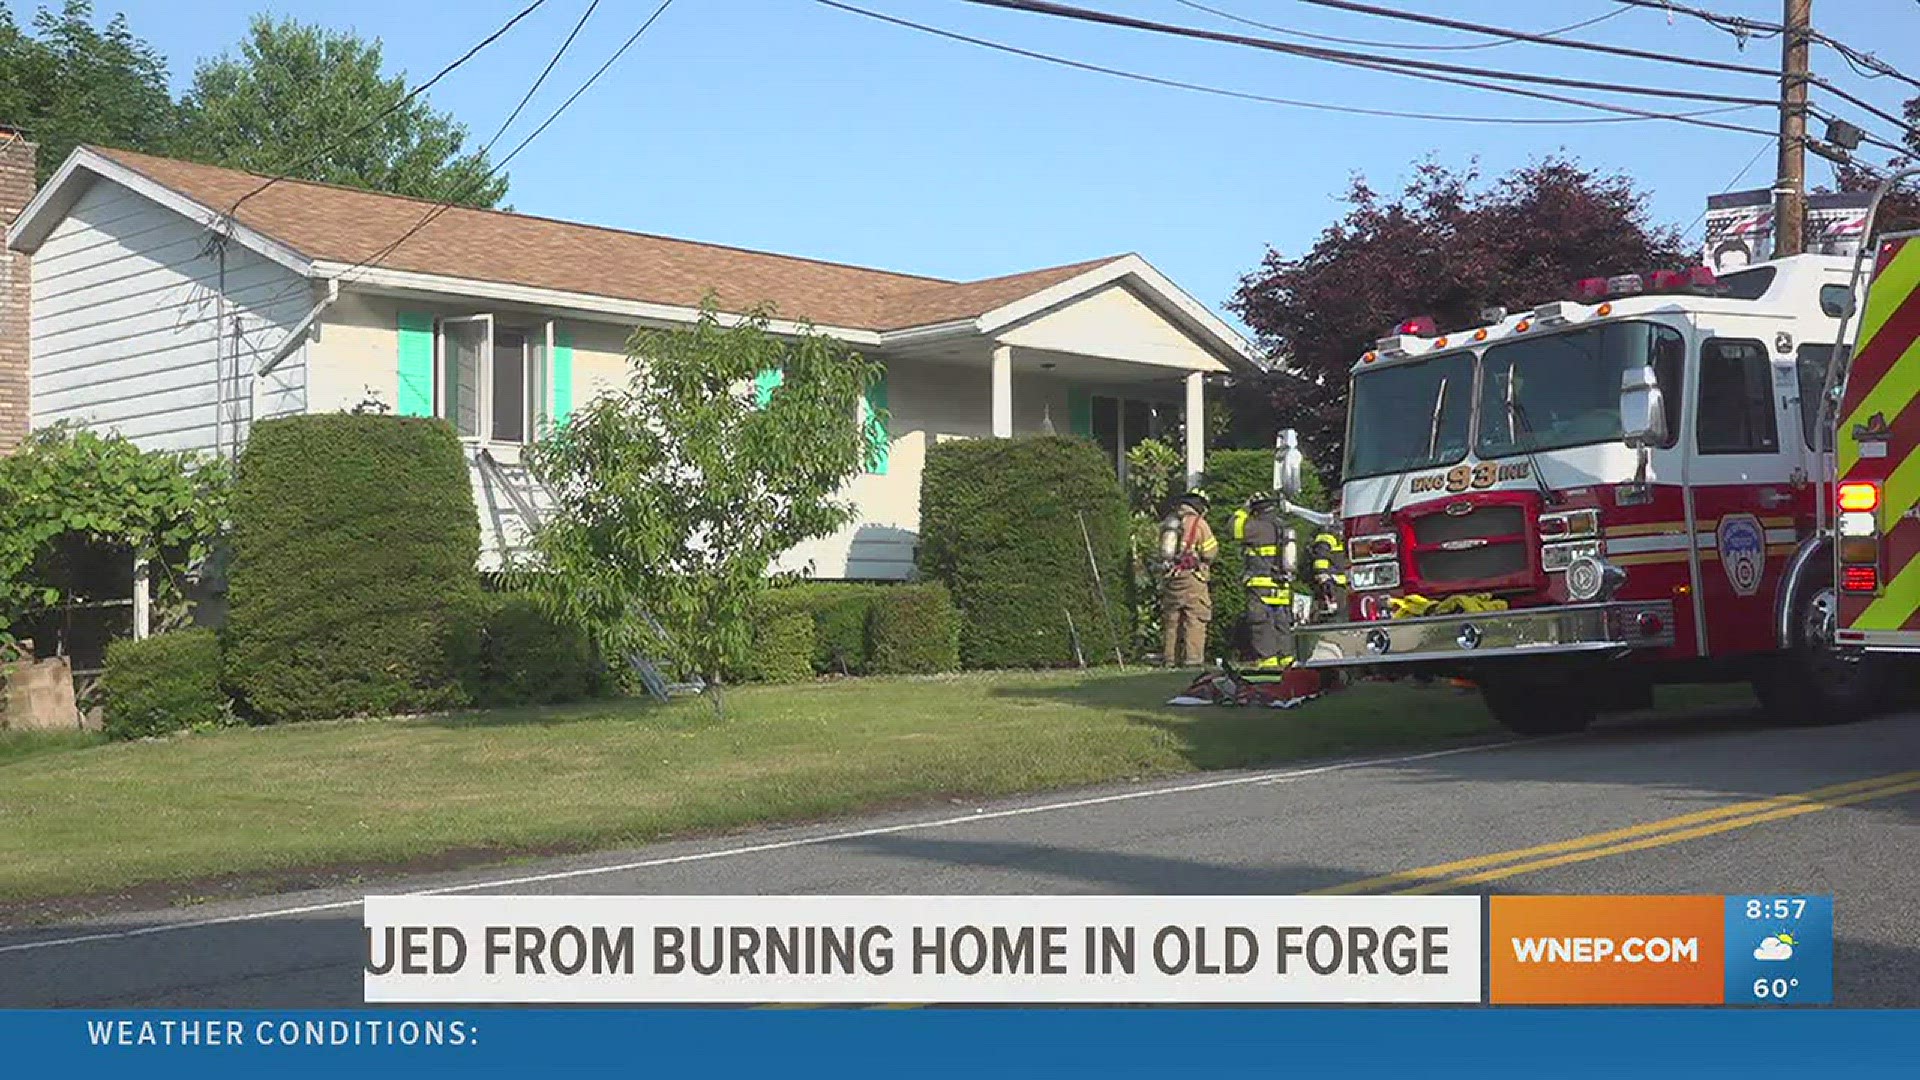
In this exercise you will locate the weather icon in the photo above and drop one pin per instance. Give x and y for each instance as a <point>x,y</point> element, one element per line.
<point>1775,947</point>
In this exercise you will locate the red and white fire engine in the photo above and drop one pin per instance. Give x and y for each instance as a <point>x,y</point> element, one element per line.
<point>1637,485</point>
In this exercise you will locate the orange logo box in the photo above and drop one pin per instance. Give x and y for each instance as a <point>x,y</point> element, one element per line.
<point>1607,950</point>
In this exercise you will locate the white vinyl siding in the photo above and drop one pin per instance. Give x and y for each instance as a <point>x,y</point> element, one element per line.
<point>126,295</point>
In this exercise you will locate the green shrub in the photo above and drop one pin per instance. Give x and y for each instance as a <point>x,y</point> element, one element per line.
<point>526,658</point>
<point>1000,526</point>
<point>839,612</point>
<point>353,584</point>
<point>1231,476</point>
<point>783,647</point>
<point>913,630</point>
<point>168,682</point>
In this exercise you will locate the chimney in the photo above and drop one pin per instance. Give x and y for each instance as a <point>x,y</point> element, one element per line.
<point>16,191</point>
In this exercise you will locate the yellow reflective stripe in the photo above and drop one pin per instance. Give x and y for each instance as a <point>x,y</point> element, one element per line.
<point>1264,549</point>
<point>1895,390</point>
<point>1888,290</point>
<point>1239,524</point>
<point>1891,608</point>
<point>1212,545</point>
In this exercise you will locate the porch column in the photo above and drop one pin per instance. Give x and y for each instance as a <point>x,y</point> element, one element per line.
<point>1003,392</point>
<point>1196,425</point>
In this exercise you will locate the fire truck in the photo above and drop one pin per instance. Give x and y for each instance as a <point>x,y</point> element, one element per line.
<point>1669,476</point>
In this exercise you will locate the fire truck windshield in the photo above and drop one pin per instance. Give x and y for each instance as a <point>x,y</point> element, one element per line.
<point>1410,416</point>
<point>1561,390</point>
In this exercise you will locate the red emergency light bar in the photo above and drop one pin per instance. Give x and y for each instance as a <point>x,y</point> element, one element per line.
<point>1693,279</point>
<point>1418,326</point>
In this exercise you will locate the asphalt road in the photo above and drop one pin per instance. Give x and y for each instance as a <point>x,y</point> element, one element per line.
<point>1316,826</point>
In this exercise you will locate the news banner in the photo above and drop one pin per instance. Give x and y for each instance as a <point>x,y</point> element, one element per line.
<point>734,985</point>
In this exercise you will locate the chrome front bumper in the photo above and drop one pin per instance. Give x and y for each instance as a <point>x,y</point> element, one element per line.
<point>1558,630</point>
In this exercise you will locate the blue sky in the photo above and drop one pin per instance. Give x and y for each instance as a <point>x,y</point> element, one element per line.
<point>788,126</point>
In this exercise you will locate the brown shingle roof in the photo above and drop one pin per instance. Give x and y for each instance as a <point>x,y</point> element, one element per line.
<point>329,222</point>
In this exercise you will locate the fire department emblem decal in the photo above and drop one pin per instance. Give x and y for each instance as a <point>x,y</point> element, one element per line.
<point>1743,552</point>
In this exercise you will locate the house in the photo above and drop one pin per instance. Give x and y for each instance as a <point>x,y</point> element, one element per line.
<point>176,302</point>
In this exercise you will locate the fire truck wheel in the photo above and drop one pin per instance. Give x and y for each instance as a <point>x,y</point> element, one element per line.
<point>1813,684</point>
<point>1529,707</point>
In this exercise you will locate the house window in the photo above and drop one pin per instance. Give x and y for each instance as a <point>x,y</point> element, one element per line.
<point>492,382</point>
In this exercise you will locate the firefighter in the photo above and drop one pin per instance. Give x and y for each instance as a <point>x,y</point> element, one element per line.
<point>1329,573</point>
<point>1260,533</point>
<point>1188,549</point>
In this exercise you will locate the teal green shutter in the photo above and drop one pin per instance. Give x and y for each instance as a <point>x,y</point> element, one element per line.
<point>560,375</point>
<point>1080,412</point>
<point>416,364</point>
<point>764,383</point>
<point>879,425</point>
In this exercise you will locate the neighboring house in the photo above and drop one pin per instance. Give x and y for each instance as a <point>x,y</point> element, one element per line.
<point>176,302</point>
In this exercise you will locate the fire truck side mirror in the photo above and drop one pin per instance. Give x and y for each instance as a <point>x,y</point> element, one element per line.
<point>1287,462</point>
<point>1643,410</point>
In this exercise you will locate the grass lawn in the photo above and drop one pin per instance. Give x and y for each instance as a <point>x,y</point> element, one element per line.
<point>77,817</point>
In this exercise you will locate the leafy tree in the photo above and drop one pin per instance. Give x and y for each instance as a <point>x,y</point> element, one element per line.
<point>67,486</point>
<point>1446,246</point>
<point>675,494</point>
<point>70,83</point>
<point>296,89</point>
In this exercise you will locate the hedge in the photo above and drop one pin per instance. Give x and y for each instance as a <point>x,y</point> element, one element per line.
<point>839,611</point>
<point>353,585</point>
<point>169,682</point>
<point>1000,524</point>
<point>1231,476</point>
<point>857,629</point>
<point>526,658</point>
<point>913,630</point>
<point>783,646</point>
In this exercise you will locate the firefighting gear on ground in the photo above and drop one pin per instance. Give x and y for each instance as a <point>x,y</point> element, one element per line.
<point>1188,550</point>
<point>1236,687</point>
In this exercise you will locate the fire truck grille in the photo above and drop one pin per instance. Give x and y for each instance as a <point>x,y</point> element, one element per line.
<point>1484,521</point>
<point>1473,564</point>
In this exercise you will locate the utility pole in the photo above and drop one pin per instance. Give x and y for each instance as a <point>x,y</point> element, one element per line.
<point>1790,189</point>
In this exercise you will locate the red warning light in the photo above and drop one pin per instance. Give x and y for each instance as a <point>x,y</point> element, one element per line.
<point>1860,578</point>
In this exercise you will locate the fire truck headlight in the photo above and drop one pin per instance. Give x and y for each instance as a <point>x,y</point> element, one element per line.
<point>1589,577</point>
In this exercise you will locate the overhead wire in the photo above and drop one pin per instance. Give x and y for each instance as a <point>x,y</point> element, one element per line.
<point>1068,11</point>
<point>1737,177</point>
<point>1180,84</point>
<point>281,174</point>
<point>1423,70</point>
<point>434,214</point>
<point>1410,46</point>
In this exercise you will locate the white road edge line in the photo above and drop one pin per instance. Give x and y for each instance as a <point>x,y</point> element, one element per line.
<point>1263,778</point>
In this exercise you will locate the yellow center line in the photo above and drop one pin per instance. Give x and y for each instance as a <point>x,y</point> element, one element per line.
<point>1659,841</point>
<point>1817,799</point>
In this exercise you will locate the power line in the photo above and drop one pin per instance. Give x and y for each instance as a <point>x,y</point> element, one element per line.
<point>1737,177</point>
<point>389,110</point>
<point>1739,26</point>
<point>1178,84</point>
<point>546,71</point>
<point>1542,39</point>
<point>431,215</point>
<point>1291,32</point>
<point>1590,46</point>
<point>1399,66</point>
<point>1747,29</point>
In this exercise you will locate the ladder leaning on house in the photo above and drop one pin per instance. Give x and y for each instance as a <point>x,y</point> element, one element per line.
<point>494,473</point>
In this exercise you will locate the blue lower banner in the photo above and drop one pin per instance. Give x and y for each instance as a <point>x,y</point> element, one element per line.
<point>845,1043</point>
